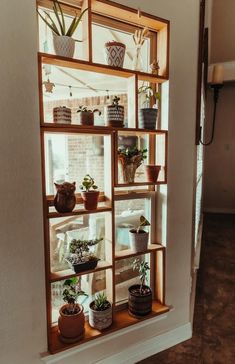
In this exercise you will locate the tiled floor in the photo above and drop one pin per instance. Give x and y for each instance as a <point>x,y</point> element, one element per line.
<point>213,339</point>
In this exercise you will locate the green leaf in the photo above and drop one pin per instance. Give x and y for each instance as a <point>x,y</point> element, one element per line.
<point>62,16</point>
<point>58,18</point>
<point>75,24</point>
<point>144,221</point>
<point>52,26</point>
<point>69,31</point>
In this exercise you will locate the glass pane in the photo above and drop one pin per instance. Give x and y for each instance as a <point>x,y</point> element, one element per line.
<point>127,216</point>
<point>125,276</point>
<point>91,284</point>
<point>84,227</point>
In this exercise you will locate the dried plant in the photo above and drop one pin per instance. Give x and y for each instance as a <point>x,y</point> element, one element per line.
<point>140,35</point>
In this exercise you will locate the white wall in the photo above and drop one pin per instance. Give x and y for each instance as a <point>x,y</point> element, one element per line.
<point>22,296</point>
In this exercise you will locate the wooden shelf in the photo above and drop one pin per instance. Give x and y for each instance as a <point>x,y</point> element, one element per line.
<point>59,61</point>
<point>121,320</point>
<point>128,253</point>
<point>55,214</point>
<point>139,184</point>
<point>68,273</point>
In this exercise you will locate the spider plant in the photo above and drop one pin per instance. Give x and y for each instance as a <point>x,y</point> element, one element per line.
<point>60,28</point>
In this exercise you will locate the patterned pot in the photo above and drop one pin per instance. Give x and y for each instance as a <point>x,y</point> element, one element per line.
<point>100,320</point>
<point>71,327</point>
<point>115,116</point>
<point>139,305</point>
<point>152,172</point>
<point>115,53</point>
<point>62,115</point>
<point>138,241</point>
<point>64,46</point>
<point>148,118</point>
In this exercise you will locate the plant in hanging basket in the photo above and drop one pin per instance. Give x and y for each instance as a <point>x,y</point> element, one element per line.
<point>139,237</point>
<point>80,256</point>
<point>140,295</point>
<point>71,320</point>
<point>115,114</point>
<point>130,159</point>
<point>147,114</point>
<point>87,115</point>
<point>64,44</point>
<point>100,312</point>
<point>89,193</point>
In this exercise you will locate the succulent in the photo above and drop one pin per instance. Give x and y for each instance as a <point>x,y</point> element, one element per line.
<point>60,28</point>
<point>101,303</point>
<point>142,267</point>
<point>88,183</point>
<point>71,293</point>
<point>85,109</point>
<point>79,250</point>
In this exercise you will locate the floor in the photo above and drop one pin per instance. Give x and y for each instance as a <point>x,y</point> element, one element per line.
<point>213,340</point>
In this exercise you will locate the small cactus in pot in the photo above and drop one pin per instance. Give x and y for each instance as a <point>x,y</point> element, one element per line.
<point>100,312</point>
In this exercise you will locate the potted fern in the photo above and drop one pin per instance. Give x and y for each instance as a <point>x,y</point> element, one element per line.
<point>64,44</point>
<point>139,237</point>
<point>87,115</point>
<point>148,114</point>
<point>140,295</point>
<point>71,319</point>
<point>80,256</point>
<point>89,193</point>
<point>100,312</point>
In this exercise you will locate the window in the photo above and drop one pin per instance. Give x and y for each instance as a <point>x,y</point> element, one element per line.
<point>72,148</point>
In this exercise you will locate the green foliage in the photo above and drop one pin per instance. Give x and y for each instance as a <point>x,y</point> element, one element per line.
<point>101,303</point>
<point>88,183</point>
<point>71,293</point>
<point>59,28</point>
<point>79,250</point>
<point>129,153</point>
<point>84,109</point>
<point>142,267</point>
<point>115,101</point>
<point>149,93</point>
<point>143,222</point>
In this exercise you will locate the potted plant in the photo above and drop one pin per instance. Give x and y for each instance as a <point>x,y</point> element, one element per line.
<point>80,257</point>
<point>63,42</point>
<point>139,237</point>
<point>115,53</point>
<point>129,160</point>
<point>140,295</point>
<point>147,114</point>
<point>65,199</point>
<point>71,320</point>
<point>152,172</point>
<point>87,115</point>
<point>100,312</point>
<point>89,193</point>
<point>62,115</point>
<point>115,114</point>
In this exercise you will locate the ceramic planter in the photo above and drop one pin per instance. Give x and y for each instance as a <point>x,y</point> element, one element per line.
<point>62,115</point>
<point>86,118</point>
<point>100,320</point>
<point>115,116</point>
<point>90,199</point>
<point>83,266</point>
<point>138,241</point>
<point>115,53</point>
<point>71,327</point>
<point>148,118</point>
<point>152,172</point>
<point>64,46</point>
<point>139,305</point>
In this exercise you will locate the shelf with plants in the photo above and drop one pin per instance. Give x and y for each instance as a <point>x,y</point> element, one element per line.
<point>100,220</point>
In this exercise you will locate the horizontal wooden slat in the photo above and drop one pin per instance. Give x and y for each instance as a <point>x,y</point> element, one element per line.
<point>52,215</point>
<point>128,253</point>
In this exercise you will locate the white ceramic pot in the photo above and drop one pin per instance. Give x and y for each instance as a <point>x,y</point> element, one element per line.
<point>100,319</point>
<point>64,46</point>
<point>138,241</point>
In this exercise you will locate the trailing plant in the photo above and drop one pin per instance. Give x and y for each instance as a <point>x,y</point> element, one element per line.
<point>142,267</point>
<point>60,28</point>
<point>88,183</point>
<point>143,222</point>
<point>149,94</point>
<point>85,109</point>
<point>130,155</point>
<point>71,293</point>
<point>101,303</point>
<point>79,250</point>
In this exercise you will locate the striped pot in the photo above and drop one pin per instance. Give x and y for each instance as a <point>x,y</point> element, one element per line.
<point>115,53</point>
<point>139,305</point>
<point>148,118</point>
<point>115,116</point>
<point>64,46</point>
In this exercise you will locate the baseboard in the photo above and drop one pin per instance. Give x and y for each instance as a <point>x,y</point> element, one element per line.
<point>150,347</point>
<point>218,210</point>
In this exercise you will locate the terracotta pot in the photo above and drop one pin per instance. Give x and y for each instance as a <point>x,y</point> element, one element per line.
<point>115,53</point>
<point>86,118</point>
<point>152,172</point>
<point>138,241</point>
<point>90,199</point>
<point>139,305</point>
<point>71,327</point>
<point>115,116</point>
<point>64,46</point>
<point>100,320</point>
<point>148,118</point>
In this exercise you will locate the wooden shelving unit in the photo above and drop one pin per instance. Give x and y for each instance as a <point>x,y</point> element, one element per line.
<point>108,13</point>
